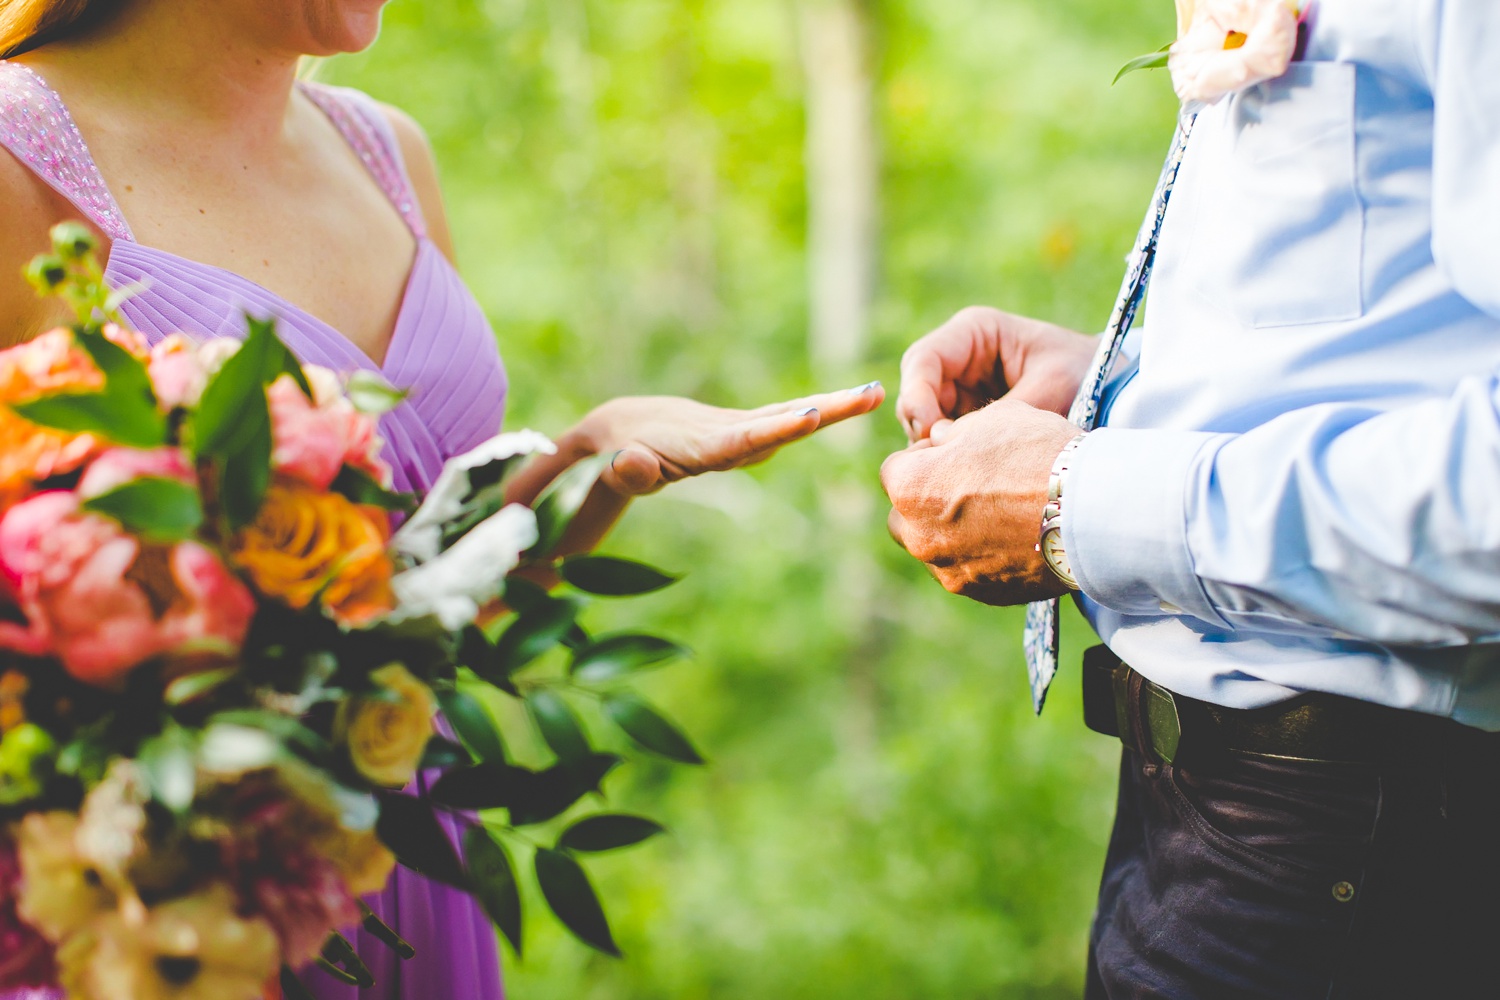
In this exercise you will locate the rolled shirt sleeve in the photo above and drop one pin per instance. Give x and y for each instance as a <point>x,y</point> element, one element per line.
<point>1334,520</point>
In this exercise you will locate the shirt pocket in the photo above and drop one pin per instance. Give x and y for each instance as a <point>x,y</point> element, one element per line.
<point>1278,238</point>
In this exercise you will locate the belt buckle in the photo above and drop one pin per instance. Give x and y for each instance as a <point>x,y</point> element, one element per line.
<point>1163,724</point>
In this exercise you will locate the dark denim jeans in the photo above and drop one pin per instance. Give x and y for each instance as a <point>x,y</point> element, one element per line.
<point>1232,875</point>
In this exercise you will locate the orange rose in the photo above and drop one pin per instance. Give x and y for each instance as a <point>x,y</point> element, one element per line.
<point>51,363</point>
<point>306,545</point>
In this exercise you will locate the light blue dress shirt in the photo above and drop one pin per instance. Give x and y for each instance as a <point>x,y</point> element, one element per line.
<point>1297,487</point>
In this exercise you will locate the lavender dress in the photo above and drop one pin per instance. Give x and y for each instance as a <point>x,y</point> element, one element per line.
<point>443,350</point>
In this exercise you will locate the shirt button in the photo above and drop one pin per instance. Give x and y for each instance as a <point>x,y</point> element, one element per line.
<point>1343,892</point>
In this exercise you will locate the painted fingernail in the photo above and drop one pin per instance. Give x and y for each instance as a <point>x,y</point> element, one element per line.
<point>807,412</point>
<point>861,390</point>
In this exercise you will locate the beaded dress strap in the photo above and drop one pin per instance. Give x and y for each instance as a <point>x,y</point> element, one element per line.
<point>366,129</point>
<point>37,129</point>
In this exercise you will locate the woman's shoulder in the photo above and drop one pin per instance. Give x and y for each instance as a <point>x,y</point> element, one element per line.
<point>421,169</point>
<point>31,208</point>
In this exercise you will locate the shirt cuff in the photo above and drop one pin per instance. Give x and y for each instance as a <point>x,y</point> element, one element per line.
<point>1125,522</point>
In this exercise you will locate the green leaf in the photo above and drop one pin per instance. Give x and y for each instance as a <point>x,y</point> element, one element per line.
<point>487,785</point>
<point>96,413</point>
<point>170,762</point>
<point>246,472</point>
<point>228,414</point>
<point>558,725</point>
<point>649,728</point>
<point>125,375</point>
<point>606,576</point>
<point>156,509</point>
<point>566,888</point>
<point>409,827</point>
<point>608,832</point>
<point>473,724</point>
<point>127,402</point>
<point>372,394</point>
<point>292,988</point>
<point>562,499</point>
<point>194,686</point>
<point>494,881</point>
<point>339,952</point>
<point>442,754</point>
<point>616,656</point>
<point>1152,60</point>
<point>358,486</point>
<point>381,931</point>
<point>533,633</point>
<point>531,797</point>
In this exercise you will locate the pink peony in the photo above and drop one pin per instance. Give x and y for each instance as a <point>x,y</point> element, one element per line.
<point>101,602</point>
<point>119,466</point>
<point>26,958</point>
<point>315,438</point>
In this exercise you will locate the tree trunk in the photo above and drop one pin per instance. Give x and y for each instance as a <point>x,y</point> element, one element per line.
<point>842,180</point>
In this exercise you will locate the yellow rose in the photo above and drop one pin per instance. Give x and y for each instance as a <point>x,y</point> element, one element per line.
<point>364,862</point>
<point>306,545</point>
<point>387,735</point>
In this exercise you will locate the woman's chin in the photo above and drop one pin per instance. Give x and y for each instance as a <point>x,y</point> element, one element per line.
<point>337,26</point>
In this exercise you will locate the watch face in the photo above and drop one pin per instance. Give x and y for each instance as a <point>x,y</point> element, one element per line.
<point>1057,559</point>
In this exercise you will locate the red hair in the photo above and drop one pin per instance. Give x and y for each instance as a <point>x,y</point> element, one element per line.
<point>26,24</point>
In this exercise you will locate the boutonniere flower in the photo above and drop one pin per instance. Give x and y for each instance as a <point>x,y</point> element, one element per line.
<point>1224,46</point>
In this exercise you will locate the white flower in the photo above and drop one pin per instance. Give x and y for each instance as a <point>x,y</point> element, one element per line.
<point>111,832</point>
<point>421,537</point>
<point>61,891</point>
<point>453,585</point>
<point>1228,45</point>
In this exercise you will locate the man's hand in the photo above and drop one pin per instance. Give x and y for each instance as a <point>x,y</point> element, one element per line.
<point>982,354</point>
<point>968,501</point>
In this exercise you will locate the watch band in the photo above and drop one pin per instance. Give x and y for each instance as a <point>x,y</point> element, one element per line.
<point>1050,544</point>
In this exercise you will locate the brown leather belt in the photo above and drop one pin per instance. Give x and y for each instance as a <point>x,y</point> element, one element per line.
<point>1161,725</point>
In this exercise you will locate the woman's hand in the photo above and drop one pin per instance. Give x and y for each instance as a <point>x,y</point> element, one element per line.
<point>657,440</point>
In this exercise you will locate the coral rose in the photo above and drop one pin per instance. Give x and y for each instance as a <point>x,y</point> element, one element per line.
<point>307,545</point>
<point>118,466</point>
<point>49,364</point>
<point>386,735</point>
<point>180,367</point>
<point>315,438</point>
<point>102,602</point>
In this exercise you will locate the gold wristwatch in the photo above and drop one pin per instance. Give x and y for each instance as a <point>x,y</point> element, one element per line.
<point>1051,544</point>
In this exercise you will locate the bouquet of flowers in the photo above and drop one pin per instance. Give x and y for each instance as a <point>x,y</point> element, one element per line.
<point>224,645</point>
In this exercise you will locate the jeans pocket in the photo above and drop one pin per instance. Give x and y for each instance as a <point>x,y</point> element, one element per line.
<point>1303,819</point>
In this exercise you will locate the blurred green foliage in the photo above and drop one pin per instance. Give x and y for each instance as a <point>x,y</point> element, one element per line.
<point>882,818</point>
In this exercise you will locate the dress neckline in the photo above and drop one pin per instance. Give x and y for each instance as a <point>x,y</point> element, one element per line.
<point>395,348</point>
<point>359,134</point>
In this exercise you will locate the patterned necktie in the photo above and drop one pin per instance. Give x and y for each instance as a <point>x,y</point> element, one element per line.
<point>1042,616</point>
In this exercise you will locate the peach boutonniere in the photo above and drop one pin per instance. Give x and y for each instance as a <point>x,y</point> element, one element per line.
<point>1224,46</point>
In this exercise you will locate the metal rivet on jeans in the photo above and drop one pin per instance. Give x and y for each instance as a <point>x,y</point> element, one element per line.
<point>1343,892</point>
